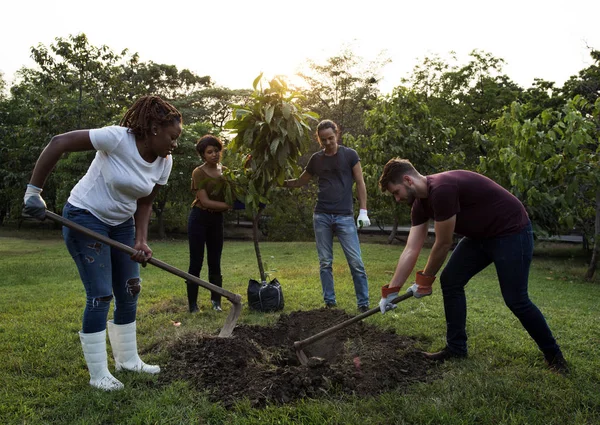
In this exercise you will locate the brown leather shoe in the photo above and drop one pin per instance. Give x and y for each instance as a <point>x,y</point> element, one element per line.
<point>443,355</point>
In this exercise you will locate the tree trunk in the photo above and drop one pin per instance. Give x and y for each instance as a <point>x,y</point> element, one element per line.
<point>261,269</point>
<point>394,230</point>
<point>595,252</point>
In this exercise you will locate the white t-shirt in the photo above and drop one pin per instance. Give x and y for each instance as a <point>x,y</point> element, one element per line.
<point>118,176</point>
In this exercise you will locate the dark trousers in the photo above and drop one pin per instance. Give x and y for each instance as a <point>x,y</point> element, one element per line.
<point>511,256</point>
<point>205,229</point>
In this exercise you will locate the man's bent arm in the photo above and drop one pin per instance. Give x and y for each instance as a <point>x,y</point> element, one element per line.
<point>410,254</point>
<point>444,236</point>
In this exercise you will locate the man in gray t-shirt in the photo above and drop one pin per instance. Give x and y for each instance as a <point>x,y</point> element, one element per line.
<point>335,180</point>
<point>337,168</point>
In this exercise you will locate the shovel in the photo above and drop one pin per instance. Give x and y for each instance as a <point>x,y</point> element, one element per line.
<point>236,299</point>
<point>299,345</point>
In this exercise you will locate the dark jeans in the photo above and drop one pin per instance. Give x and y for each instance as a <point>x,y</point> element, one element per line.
<point>205,229</point>
<point>511,256</point>
<point>104,271</point>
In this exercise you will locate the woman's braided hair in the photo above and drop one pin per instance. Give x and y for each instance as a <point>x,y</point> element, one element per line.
<point>149,110</point>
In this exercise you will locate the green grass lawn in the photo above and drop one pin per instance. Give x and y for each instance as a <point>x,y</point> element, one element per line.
<point>43,377</point>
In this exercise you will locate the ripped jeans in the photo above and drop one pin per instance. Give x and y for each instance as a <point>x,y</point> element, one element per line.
<point>104,271</point>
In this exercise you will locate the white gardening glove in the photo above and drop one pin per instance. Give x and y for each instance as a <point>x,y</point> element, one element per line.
<point>363,219</point>
<point>34,204</point>
<point>387,295</point>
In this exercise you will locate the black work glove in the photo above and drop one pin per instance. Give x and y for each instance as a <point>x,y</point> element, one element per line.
<point>34,204</point>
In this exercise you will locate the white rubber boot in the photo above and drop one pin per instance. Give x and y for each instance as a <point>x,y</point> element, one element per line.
<point>94,351</point>
<point>124,347</point>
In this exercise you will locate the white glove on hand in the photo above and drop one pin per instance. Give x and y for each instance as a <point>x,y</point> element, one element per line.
<point>414,288</point>
<point>34,204</point>
<point>422,285</point>
<point>363,219</point>
<point>387,295</point>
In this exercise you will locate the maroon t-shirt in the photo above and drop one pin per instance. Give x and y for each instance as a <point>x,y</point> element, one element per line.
<point>483,208</point>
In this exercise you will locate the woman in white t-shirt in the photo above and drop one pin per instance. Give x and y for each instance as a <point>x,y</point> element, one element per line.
<point>114,198</point>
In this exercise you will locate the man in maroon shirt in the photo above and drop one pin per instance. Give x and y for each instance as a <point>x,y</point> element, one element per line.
<point>495,229</point>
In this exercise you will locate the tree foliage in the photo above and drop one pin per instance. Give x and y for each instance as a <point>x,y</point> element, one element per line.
<point>341,88</point>
<point>550,162</point>
<point>399,125</point>
<point>273,130</point>
<point>466,97</point>
<point>76,85</point>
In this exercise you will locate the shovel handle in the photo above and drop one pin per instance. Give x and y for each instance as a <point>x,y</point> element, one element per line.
<point>299,345</point>
<point>234,298</point>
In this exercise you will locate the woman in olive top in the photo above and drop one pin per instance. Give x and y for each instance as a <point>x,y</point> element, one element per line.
<point>205,223</point>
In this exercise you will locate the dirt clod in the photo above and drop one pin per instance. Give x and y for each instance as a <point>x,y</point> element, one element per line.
<point>259,363</point>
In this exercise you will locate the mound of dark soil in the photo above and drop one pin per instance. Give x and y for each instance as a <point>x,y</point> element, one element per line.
<point>260,364</point>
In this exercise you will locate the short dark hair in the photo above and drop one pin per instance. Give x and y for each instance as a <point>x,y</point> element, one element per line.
<point>394,171</point>
<point>206,141</point>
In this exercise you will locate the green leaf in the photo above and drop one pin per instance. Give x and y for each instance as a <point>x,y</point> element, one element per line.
<point>248,137</point>
<point>286,110</point>
<point>282,155</point>
<point>275,145</point>
<point>269,110</point>
<point>257,80</point>
<point>292,130</point>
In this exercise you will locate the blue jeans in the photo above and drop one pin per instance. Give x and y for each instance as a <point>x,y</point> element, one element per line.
<point>511,256</point>
<point>342,226</point>
<point>104,271</point>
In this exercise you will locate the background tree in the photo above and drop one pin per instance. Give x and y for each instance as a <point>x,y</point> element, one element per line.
<point>273,129</point>
<point>587,82</point>
<point>211,104</point>
<point>3,86</point>
<point>551,164</point>
<point>13,159</point>
<point>465,97</point>
<point>400,125</point>
<point>74,86</point>
<point>341,88</point>
<point>540,96</point>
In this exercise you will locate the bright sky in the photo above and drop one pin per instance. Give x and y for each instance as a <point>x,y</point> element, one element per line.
<point>234,40</point>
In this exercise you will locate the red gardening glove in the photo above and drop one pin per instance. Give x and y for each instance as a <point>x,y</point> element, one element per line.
<point>422,285</point>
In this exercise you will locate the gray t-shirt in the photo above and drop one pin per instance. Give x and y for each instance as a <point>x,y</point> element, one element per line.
<point>335,180</point>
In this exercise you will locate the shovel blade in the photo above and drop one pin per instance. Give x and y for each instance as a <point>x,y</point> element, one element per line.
<point>230,322</point>
<point>300,354</point>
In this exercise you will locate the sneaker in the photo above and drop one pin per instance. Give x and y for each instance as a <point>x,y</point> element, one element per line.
<point>558,364</point>
<point>443,355</point>
<point>216,306</point>
<point>363,308</point>
<point>330,305</point>
<point>194,308</point>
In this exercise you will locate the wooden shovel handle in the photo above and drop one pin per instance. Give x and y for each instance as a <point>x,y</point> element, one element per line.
<point>299,345</point>
<point>234,298</point>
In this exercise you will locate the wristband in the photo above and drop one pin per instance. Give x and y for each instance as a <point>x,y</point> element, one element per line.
<point>33,190</point>
<point>423,280</point>
<point>386,290</point>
